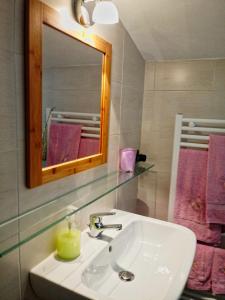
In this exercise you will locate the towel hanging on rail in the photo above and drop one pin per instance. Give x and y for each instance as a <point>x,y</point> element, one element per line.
<point>215,195</point>
<point>63,144</point>
<point>190,196</point>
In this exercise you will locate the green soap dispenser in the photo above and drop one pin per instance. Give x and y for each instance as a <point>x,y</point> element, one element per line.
<point>68,242</point>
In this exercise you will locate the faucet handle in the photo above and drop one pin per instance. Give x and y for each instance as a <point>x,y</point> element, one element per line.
<point>98,216</point>
<point>102,214</point>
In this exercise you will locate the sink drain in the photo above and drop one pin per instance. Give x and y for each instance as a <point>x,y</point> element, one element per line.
<point>126,276</point>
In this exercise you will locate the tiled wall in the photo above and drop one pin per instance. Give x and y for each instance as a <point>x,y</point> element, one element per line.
<point>125,124</point>
<point>195,88</point>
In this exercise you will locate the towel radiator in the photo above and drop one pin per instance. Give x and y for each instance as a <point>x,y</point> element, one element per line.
<point>190,133</point>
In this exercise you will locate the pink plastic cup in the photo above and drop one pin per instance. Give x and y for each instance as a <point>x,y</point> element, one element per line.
<point>127,159</point>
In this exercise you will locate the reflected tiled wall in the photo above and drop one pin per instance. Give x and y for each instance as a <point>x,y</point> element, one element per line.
<point>125,124</point>
<point>71,88</point>
<point>195,88</point>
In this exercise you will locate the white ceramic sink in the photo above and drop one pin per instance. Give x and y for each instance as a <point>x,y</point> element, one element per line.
<point>159,254</point>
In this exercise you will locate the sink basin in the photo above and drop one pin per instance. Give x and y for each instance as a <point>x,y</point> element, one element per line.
<point>148,260</point>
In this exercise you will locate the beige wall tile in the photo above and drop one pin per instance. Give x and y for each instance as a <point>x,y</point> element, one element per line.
<point>117,68</point>
<point>7,83</point>
<point>33,253</point>
<point>20,97</point>
<point>113,152</point>
<point>19,25</point>
<point>149,76</point>
<point>7,25</point>
<point>133,70</point>
<point>7,132</point>
<point>131,110</point>
<point>220,75</point>
<point>115,108</point>
<point>147,188</point>
<point>185,75</point>
<point>162,195</point>
<point>9,277</point>
<point>8,185</point>
<point>127,196</point>
<point>159,149</point>
<point>130,140</point>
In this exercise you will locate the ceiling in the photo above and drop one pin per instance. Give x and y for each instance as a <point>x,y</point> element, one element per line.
<point>175,29</point>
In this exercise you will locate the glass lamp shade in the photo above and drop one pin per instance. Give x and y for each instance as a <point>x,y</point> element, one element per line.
<point>105,12</point>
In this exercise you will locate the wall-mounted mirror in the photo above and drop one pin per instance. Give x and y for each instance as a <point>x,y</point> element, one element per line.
<point>71,98</point>
<point>68,79</point>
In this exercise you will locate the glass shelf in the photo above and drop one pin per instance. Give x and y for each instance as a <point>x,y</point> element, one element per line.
<point>23,228</point>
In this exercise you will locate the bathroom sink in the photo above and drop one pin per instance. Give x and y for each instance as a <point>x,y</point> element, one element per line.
<point>148,260</point>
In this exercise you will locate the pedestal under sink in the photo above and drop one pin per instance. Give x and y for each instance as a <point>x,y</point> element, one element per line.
<point>148,260</point>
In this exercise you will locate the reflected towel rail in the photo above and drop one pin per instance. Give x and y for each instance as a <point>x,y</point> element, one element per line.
<point>78,121</point>
<point>90,122</point>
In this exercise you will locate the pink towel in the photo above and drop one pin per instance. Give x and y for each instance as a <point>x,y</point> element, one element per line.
<point>88,147</point>
<point>200,275</point>
<point>210,233</point>
<point>190,195</point>
<point>63,143</point>
<point>215,195</point>
<point>218,272</point>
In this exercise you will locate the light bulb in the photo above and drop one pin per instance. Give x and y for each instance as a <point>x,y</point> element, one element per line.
<point>105,12</point>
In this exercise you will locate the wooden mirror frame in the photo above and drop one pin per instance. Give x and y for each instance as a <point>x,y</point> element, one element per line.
<point>38,14</point>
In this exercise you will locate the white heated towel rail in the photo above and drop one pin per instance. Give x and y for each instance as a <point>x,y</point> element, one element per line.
<point>190,133</point>
<point>90,123</point>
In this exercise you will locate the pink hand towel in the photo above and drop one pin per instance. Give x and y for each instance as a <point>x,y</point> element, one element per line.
<point>88,146</point>
<point>190,195</point>
<point>218,272</point>
<point>63,143</point>
<point>200,275</point>
<point>215,195</point>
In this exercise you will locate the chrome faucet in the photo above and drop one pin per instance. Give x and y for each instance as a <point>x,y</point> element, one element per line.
<point>97,227</point>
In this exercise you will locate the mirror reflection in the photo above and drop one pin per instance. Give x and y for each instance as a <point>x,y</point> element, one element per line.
<point>71,93</point>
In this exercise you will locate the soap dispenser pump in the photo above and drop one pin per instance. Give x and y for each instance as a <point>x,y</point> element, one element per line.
<point>68,242</point>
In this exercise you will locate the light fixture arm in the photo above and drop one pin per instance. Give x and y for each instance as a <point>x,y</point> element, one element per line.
<point>89,12</point>
<point>77,9</point>
<point>82,11</point>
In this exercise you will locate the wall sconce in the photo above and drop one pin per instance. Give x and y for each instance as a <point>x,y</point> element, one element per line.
<point>101,12</point>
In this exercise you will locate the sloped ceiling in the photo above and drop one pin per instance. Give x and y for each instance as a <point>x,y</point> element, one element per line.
<point>175,29</point>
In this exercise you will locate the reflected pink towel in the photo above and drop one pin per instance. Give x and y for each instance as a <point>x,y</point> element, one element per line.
<point>218,272</point>
<point>63,143</point>
<point>88,147</point>
<point>190,195</point>
<point>200,275</point>
<point>215,193</point>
